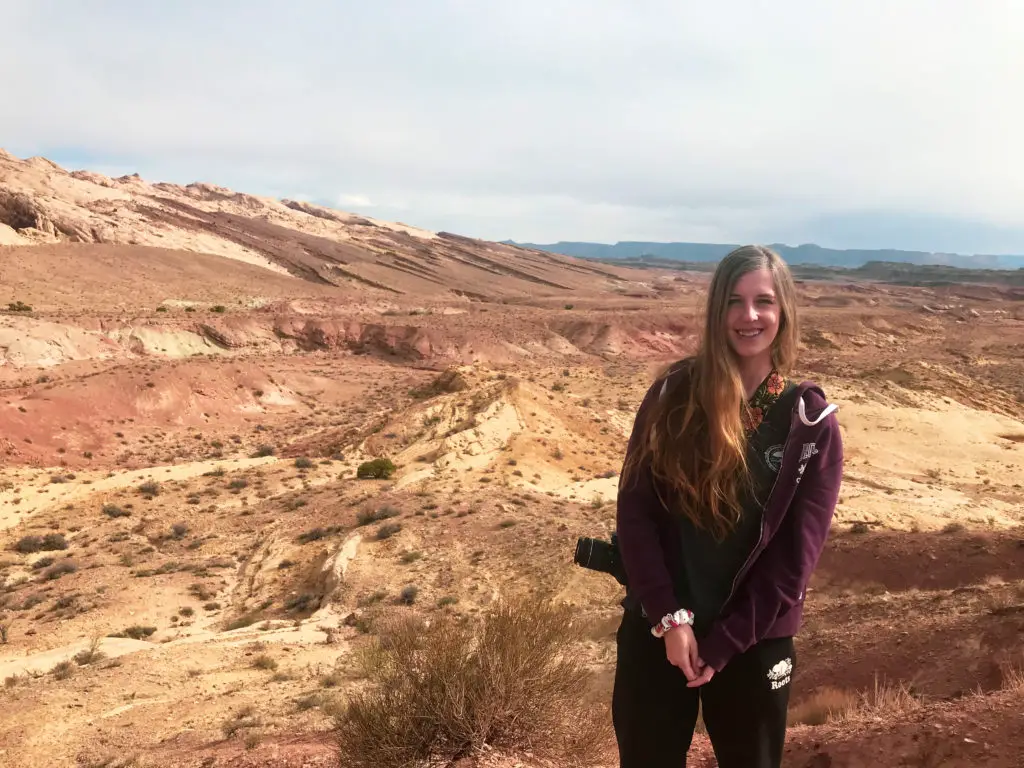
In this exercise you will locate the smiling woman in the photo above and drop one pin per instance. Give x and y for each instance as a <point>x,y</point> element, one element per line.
<point>727,494</point>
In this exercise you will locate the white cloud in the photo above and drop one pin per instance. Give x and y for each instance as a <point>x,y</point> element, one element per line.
<point>547,119</point>
<point>354,201</point>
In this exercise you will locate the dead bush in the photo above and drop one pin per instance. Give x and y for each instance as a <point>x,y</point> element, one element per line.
<point>408,594</point>
<point>822,706</point>
<point>149,489</point>
<point>244,718</point>
<point>1013,675</point>
<point>444,690</point>
<point>368,516</point>
<point>883,700</point>
<point>387,530</point>
<point>62,670</point>
<point>48,543</point>
<point>62,568</point>
<point>310,701</point>
<point>138,632</point>
<point>116,761</point>
<point>316,534</point>
<point>265,662</point>
<point>91,654</point>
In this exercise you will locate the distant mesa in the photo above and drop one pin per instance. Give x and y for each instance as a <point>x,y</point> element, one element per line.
<point>800,254</point>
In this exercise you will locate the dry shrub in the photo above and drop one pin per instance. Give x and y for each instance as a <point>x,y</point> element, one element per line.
<point>244,718</point>
<point>62,670</point>
<point>91,654</point>
<point>835,705</point>
<point>824,705</point>
<point>445,690</point>
<point>116,761</point>
<point>1012,675</point>
<point>888,699</point>
<point>263,661</point>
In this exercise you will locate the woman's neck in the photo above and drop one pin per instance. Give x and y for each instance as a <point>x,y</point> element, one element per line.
<point>752,372</point>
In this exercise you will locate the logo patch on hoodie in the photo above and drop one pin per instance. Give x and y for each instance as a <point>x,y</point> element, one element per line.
<point>773,457</point>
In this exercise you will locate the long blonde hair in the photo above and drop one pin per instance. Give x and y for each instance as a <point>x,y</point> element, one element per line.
<point>693,437</point>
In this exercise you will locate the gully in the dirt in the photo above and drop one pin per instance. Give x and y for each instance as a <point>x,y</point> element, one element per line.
<point>726,497</point>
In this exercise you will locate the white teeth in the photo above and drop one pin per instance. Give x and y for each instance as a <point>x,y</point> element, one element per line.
<point>748,334</point>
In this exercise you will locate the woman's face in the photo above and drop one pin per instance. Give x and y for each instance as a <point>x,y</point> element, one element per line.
<point>752,315</point>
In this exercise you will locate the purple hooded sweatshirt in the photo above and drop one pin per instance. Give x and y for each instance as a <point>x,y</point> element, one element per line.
<point>767,594</point>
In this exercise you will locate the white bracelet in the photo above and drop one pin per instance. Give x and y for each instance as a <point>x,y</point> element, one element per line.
<point>671,621</point>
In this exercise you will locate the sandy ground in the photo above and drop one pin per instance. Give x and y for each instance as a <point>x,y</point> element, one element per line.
<point>30,490</point>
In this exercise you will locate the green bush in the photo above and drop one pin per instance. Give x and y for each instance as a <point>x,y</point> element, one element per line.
<point>377,469</point>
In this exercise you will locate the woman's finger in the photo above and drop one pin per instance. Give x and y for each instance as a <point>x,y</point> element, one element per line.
<point>695,661</point>
<point>687,667</point>
<point>704,677</point>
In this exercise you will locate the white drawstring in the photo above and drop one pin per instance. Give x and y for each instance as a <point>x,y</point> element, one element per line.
<point>801,409</point>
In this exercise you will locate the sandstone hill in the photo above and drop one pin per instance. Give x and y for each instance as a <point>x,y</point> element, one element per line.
<point>40,202</point>
<point>193,572</point>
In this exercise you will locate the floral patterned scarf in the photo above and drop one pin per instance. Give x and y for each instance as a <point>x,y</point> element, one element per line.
<point>764,397</point>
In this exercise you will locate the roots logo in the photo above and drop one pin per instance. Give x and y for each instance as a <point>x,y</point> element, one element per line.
<point>780,674</point>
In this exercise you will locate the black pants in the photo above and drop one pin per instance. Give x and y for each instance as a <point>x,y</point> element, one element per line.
<point>744,706</point>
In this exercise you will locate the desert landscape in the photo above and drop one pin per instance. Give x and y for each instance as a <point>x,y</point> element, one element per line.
<point>247,445</point>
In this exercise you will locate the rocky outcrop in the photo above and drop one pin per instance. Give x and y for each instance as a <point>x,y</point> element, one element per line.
<point>30,218</point>
<point>313,210</point>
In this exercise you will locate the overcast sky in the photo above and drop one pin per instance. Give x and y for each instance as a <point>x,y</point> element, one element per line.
<point>850,123</point>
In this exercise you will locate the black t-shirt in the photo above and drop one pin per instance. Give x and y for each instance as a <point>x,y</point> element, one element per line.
<point>710,566</point>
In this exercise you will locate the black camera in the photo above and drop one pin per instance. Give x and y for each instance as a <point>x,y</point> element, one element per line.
<point>600,555</point>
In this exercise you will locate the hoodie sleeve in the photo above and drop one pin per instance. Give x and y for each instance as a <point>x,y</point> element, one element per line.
<point>776,581</point>
<point>639,544</point>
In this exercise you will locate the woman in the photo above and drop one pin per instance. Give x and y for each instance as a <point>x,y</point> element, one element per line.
<point>726,496</point>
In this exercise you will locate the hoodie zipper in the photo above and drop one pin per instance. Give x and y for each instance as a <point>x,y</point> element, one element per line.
<point>746,563</point>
